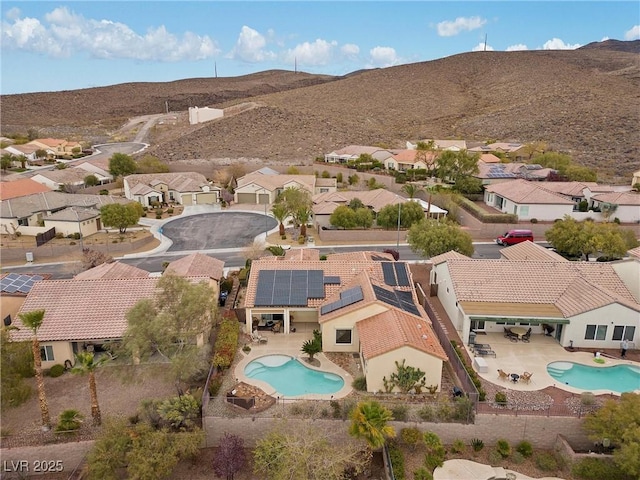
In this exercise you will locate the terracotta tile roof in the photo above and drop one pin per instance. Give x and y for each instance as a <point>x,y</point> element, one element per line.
<point>197,265</point>
<point>51,142</point>
<point>394,329</point>
<point>524,192</point>
<point>572,189</point>
<point>26,148</point>
<point>531,251</point>
<point>374,199</point>
<point>443,257</point>
<point>272,182</point>
<point>21,188</point>
<point>572,287</point>
<point>619,198</point>
<point>634,252</point>
<point>83,309</point>
<point>112,270</point>
<point>302,254</point>
<point>489,158</point>
<point>67,175</point>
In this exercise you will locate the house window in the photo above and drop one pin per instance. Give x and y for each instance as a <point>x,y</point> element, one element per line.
<point>622,331</point>
<point>324,190</point>
<point>46,353</point>
<point>343,336</point>
<point>596,332</point>
<point>524,211</point>
<point>23,222</point>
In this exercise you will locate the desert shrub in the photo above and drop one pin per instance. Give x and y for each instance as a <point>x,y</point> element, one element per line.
<point>360,383</point>
<point>426,413</point>
<point>246,348</point>
<point>501,398</point>
<point>494,457</point>
<point>422,474</point>
<point>169,210</point>
<point>400,413</point>
<point>323,257</point>
<point>503,448</point>
<point>534,220</point>
<point>214,385</point>
<point>301,240</point>
<point>445,410</point>
<point>546,462</point>
<point>69,421</point>
<point>336,409</point>
<point>587,398</point>
<point>435,450</point>
<point>56,370</point>
<point>517,458</point>
<point>104,192</point>
<point>458,446</point>
<point>411,436</point>
<point>72,243</point>
<point>76,235</point>
<point>397,461</point>
<point>158,216</point>
<point>477,444</point>
<point>525,449</point>
<point>597,469</point>
<point>463,409</point>
<point>59,235</point>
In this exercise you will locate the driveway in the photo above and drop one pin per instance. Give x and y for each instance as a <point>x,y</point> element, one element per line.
<point>216,230</point>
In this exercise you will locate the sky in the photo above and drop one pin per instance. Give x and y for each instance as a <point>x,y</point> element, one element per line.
<point>67,45</point>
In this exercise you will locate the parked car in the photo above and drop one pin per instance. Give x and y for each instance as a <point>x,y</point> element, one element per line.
<point>515,236</point>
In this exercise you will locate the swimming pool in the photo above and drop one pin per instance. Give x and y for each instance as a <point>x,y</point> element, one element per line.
<point>619,378</point>
<point>290,377</point>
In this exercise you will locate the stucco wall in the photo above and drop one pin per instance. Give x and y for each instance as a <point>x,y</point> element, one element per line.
<point>384,365</point>
<point>377,235</point>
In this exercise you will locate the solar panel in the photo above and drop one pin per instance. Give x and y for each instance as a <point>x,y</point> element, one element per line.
<point>386,296</point>
<point>389,274</point>
<point>264,291</point>
<point>315,284</point>
<point>348,297</point>
<point>15,282</point>
<point>4,283</point>
<point>11,289</point>
<point>13,276</point>
<point>406,302</point>
<point>401,274</point>
<point>397,298</point>
<point>331,280</point>
<point>289,287</point>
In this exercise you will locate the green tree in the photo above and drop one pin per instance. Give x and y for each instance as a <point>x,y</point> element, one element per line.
<point>280,213</point>
<point>373,184</point>
<point>41,153</point>
<point>169,324</point>
<point>91,181</point>
<point>6,161</point>
<point>453,166</point>
<point>578,173</point>
<point>430,238</point>
<point>355,204</point>
<point>410,213</point>
<point>619,421</point>
<point>293,170</point>
<point>369,422</point>
<point>411,189</point>
<point>364,218</point>
<point>87,364</point>
<point>301,216</point>
<point>306,453</point>
<point>121,216</point>
<point>554,160</point>
<point>121,165</point>
<point>426,153</point>
<point>343,217</point>
<point>313,346</point>
<point>339,177</point>
<point>16,364</point>
<point>354,180</point>
<point>33,321</point>
<point>151,164</point>
<point>468,185</point>
<point>180,413</point>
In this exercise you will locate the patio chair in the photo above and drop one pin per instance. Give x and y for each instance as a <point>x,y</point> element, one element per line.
<point>502,375</point>
<point>257,338</point>
<point>526,337</point>
<point>276,328</point>
<point>481,352</point>
<point>526,377</point>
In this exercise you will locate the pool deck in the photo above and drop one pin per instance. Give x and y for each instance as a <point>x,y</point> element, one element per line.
<point>533,357</point>
<point>291,344</point>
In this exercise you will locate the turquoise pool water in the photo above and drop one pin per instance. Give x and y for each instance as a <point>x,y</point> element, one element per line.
<point>291,378</point>
<point>619,378</point>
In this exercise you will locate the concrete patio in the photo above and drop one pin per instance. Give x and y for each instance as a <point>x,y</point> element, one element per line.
<point>533,357</point>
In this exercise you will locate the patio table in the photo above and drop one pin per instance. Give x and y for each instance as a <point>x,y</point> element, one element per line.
<point>515,377</point>
<point>520,331</point>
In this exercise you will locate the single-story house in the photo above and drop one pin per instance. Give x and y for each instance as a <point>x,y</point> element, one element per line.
<point>31,210</point>
<point>198,265</point>
<point>624,205</point>
<point>21,188</point>
<point>527,200</point>
<point>515,151</point>
<point>90,310</point>
<point>28,151</point>
<point>362,302</point>
<point>589,304</point>
<point>110,270</point>
<point>403,160</point>
<point>259,189</point>
<point>14,288</point>
<point>60,147</point>
<point>443,145</point>
<point>353,152</point>
<point>99,168</point>
<point>82,220</point>
<point>67,178</point>
<point>185,188</point>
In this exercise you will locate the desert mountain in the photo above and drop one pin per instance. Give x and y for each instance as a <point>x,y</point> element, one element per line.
<point>584,102</point>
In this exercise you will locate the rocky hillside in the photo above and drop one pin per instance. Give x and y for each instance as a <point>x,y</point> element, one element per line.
<point>584,102</point>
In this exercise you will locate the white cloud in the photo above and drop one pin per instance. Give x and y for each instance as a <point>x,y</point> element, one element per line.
<point>450,28</point>
<point>558,44</point>
<point>517,47</point>
<point>481,48</point>
<point>64,33</point>
<point>633,33</point>
<point>604,39</point>
<point>350,51</point>
<point>12,13</point>
<point>250,46</point>
<point>383,57</point>
<point>320,52</point>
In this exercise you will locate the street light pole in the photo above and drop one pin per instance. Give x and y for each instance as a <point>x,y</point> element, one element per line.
<point>399,209</point>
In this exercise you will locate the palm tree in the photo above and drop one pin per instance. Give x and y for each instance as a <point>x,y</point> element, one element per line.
<point>301,216</point>
<point>411,189</point>
<point>86,363</point>
<point>280,213</point>
<point>33,320</point>
<point>369,422</point>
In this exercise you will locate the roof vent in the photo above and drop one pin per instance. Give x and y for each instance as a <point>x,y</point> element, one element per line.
<point>424,336</point>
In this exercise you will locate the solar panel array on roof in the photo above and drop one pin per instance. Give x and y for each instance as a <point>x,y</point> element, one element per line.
<point>348,297</point>
<point>389,274</point>
<point>395,274</point>
<point>331,280</point>
<point>15,282</point>
<point>288,287</point>
<point>396,298</point>
<point>401,274</point>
